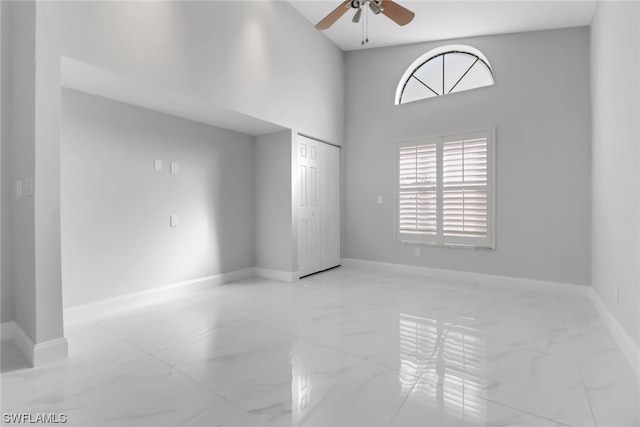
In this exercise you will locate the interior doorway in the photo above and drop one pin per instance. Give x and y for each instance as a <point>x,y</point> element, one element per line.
<point>319,206</point>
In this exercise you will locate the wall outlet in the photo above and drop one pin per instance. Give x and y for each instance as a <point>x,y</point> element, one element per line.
<point>417,252</point>
<point>27,187</point>
<point>175,168</point>
<point>617,293</point>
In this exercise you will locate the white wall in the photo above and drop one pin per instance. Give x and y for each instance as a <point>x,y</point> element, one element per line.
<point>274,240</point>
<point>615,86</point>
<point>259,58</point>
<point>18,141</point>
<point>116,237</point>
<point>540,106</point>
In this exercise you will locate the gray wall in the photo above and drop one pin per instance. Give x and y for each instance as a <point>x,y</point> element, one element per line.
<point>259,58</point>
<point>274,240</point>
<point>615,62</point>
<point>18,140</point>
<point>6,281</point>
<point>116,237</point>
<point>540,106</point>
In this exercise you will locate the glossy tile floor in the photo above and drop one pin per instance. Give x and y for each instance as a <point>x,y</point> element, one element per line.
<point>346,347</point>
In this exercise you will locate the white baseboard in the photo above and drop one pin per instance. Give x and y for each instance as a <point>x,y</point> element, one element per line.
<point>282,276</point>
<point>624,341</point>
<point>36,354</point>
<point>50,351</point>
<point>468,277</point>
<point>112,306</point>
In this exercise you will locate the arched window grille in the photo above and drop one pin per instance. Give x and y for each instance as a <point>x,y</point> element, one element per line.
<point>445,70</point>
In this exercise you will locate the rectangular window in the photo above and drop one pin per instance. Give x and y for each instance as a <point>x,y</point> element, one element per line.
<point>445,188</point>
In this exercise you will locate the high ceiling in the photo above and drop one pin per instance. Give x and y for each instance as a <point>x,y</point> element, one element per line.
<point>441,20</point>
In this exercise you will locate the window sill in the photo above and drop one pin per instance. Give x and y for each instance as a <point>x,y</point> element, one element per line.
<point>446,245</point>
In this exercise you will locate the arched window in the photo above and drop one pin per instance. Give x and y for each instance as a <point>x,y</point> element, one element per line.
<point>444,70</point>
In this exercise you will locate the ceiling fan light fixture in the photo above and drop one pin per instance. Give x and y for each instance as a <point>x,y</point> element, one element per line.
<point>356,17</point>
<point>392,10</point>
<point>375,7</point>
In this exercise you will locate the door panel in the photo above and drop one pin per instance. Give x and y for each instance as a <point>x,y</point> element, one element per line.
<point>319,209</point>
<point>308,242</point>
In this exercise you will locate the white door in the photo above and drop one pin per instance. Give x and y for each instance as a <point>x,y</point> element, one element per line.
<point>309,212</point>
<point>319,206</point>
<point>330,206</point>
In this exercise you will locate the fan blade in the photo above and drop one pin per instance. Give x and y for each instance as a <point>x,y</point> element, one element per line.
<point>331,18</point>
<point>398,14</point>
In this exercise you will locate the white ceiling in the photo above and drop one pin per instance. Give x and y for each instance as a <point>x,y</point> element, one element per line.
<point>441,20</point>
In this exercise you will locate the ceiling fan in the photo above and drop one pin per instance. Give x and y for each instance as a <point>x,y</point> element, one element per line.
<point>392,10</point>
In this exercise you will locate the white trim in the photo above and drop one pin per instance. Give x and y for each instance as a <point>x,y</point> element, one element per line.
<point>468,277</point>
<point>282,276</point>
<point>624,341</point>
<point>422,59</point>
<point>111,306</point>
<point>36,354</point>
<point>50,351</point>
<point>439,239</point>
<point>318,139</point>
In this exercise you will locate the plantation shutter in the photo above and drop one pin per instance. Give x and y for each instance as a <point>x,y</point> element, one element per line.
<point>465,190</point>
<point>444,190</point>
<point>417,192</point>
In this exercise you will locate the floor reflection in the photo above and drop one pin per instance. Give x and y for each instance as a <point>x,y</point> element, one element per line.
<point>419,337</point>
<point>301,386</point>
<point>451,367</point>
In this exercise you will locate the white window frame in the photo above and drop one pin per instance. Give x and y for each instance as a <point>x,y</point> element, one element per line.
<point>433,53</point>
<point>488,242</point>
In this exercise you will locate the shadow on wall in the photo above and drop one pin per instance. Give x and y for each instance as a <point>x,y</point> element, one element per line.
<point>115,207</point>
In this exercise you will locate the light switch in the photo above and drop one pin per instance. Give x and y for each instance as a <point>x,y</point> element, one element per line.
<point>157,165</point>
<point>27,187</point>
<point>379,200</point>
<point>174,167</point>
<point>19,188</point>
<point>174,221</point>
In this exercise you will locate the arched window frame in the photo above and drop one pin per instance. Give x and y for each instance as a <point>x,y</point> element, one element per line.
<point>432,54</point>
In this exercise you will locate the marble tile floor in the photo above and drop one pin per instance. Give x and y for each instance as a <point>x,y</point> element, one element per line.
<point>346,347</point>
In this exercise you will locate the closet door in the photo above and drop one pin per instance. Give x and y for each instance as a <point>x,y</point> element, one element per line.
<point>319,206</point>
<point>308,210</point>
<point>330,206</point>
